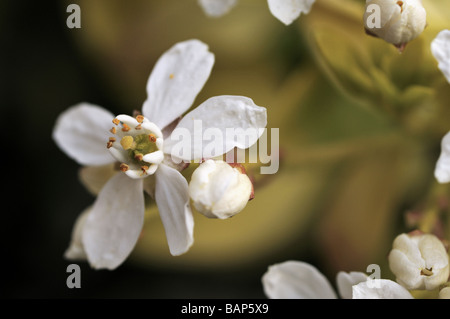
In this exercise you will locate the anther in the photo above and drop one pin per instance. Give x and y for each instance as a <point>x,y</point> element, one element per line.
<point>138,127</point>
<point>171,76</point>
<point>140,118</point>
<point>138,157</point>
<point>125,128</point>
<point>152,138</point>
<point>116,121</point>
<point>113,130</point>
<point>427,272</point>
<point>144,169</point>
<point>124,167</point>
<point>109,144</point>
<point>112,139</point>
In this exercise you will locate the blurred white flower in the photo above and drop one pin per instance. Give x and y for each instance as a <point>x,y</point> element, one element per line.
<point>300,280</point>
<point>382,289</point>
<point>217,8</point>
<point>110,230</point>
<point>289,10</point>
<point>444,293</point>
<point>440,48</point>
<point>419,261</point>
<point>284,10</point>
<point>396,22</point>
<point>442,169</point>
<point>219,190</point>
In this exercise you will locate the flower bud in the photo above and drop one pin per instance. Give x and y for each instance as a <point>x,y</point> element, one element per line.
<point>396,22</point>
<point>419,261</point>
<point>218,190</point>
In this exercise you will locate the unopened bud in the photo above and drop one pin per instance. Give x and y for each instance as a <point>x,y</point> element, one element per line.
<point>419,261</point>
<point>219,190</point>
<point>396,22</point>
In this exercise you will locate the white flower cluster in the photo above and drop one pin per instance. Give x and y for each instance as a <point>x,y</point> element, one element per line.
<point>139,151</point>
<point>419,261</point>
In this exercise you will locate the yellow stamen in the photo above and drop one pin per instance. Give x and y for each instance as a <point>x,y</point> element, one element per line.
<point>152,138</point>
<point>144,169</point>
<point>125,128</point>
<point>138,127</point>
<point>109,144</point>
<point>171,76</point>
<point>113,130</point>
<point>116,121</point>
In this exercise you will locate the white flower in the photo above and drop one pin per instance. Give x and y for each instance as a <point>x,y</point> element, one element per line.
<point>380,289</point>
<point>440,48</point>
<point>284,10</point>
<point>143,147</point>
<point>219,190</point>
<point>419,261</point>
<point>217,8</point>
<point>442,169</point>
<point>444,293</point>
<point>399,22</point>
<point>300,280</point>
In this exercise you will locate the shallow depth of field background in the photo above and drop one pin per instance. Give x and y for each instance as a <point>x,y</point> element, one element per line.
<point>356,156</point>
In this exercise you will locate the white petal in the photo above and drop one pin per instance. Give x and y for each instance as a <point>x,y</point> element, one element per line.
<point>217,8</point>
<point>230,121</point>
<point>82,132</point>
<point>380,289</point>
<point>345,281</point>
<point>76,249</point>
<point>442,169</point>
<point>115,222</point>
<point>440,47</point>
<point>95,177</point>
<point>175,81</point>
<point>172,198</point>
<point>154,157</point>
<point>288,10</point>
<point>296,280</point>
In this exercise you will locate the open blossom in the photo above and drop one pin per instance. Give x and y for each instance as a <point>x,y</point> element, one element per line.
<point>219,190</point>
<point>440,48</point>
<point>300,280</point>
<point>284,10</point>
<point>142,146</point>
<point>396,22</point>
<point>419,261</point>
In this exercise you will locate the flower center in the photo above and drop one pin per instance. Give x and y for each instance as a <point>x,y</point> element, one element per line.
<point>426,272</point>
<point>140,145</point>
